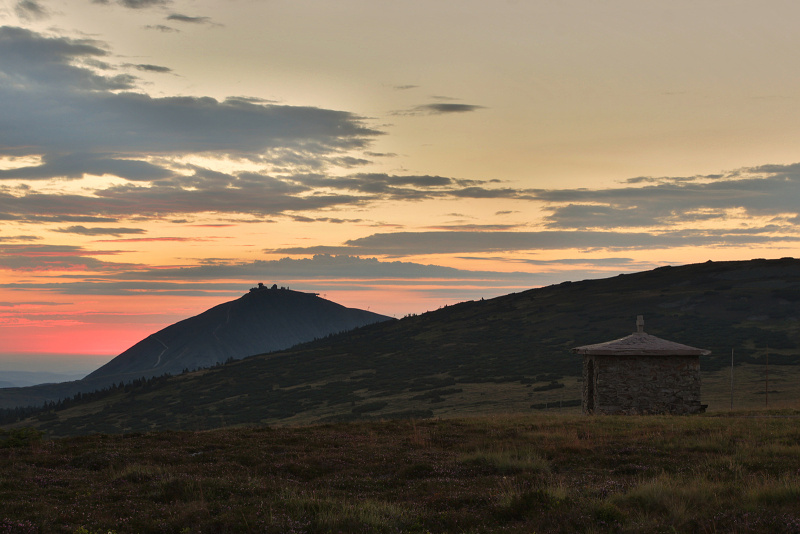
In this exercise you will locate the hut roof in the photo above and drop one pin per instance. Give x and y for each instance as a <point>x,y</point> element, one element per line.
<point>640,344</point>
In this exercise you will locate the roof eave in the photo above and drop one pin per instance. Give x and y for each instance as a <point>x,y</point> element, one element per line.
<point>600,352</point>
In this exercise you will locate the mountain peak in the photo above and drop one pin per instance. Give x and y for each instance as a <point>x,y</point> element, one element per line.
<point>264,319</point>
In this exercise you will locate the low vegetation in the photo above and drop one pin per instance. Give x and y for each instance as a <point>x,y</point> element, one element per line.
<point>202,401</point>
<point>540,472</point>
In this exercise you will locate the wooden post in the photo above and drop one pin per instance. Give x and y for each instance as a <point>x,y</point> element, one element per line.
<point>731,379</point>
<point>766,381</point>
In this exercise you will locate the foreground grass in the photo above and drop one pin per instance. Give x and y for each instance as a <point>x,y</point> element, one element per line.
<point>532,473</point>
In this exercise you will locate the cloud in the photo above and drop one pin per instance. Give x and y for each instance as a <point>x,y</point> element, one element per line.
<point>748,194</point>
<point>599,216</point>
<point>64,104</point>
<point>321,266</point>
<point>189,20</point>
<point>201,192</point>
<point>67,106</point>
<point>32,64</point>
<point>459,242</point>
<point>54,258</point>
<point>210,191</point>
<point>628,263</point>
<point>30,303</point>
<point>136,123</point>
<point>438,108</point>
<point>318,273</point>
<point>136,4</point>
<point>54,104</point>
<point>76,165</point>
<point>161,28</point>
<point>60,206</point>
<point>30,10</point>
<point>474,227</point>
<point>156,240</point>
<point>69,219</point>
<point>151,68</point>
<point>95,231</point>
<point>15,238</point>
<point>323,273</point>
<point>168,193</point>
<point>332,220</point>
<point>412,187</point>
<point>769,190</point>
<point>443,108</point>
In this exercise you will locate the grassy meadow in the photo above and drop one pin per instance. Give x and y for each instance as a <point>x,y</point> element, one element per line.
<point>539,472</point>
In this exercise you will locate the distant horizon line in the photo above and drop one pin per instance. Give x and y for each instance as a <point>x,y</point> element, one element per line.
<point>55,362</point>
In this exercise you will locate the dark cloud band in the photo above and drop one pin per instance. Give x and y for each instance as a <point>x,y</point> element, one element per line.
<point>459,242</point>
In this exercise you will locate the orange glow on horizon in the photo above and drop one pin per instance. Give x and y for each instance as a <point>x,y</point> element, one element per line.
<point>77,340</point>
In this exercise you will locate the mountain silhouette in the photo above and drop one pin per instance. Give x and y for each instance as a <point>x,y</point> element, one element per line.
<point>263,320</point>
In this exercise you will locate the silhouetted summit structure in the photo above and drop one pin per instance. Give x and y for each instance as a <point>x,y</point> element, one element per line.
<point>263,320</point>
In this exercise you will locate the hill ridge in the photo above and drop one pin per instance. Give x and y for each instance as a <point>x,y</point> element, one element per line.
<point>510,353</point>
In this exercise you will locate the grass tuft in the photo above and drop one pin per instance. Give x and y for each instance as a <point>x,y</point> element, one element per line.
<point>514,460</point>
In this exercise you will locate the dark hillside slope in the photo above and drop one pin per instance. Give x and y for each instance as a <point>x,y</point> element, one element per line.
<point>473,355</point>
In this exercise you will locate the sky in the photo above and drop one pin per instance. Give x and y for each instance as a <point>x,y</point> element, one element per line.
<point>159,157</point>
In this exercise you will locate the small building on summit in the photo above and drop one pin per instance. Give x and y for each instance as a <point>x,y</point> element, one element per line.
<point>641,374</point>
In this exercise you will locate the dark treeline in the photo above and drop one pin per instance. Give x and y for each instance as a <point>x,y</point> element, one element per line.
<point>139,385</point>
<point>13,415</point>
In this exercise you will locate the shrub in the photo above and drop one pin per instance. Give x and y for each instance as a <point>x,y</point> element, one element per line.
<point>19,437</point>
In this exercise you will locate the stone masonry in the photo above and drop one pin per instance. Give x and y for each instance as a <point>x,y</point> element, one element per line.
<point>643,385</point>
<point>641,374</point>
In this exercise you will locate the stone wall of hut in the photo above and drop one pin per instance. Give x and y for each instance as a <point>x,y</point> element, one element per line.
<point>630,385</point>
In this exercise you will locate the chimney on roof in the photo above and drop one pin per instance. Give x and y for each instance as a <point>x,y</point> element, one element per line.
<point>640,323</point>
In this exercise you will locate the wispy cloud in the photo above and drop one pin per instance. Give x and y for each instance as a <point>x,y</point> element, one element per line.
<point>177,17</point>
<point>459,242</point>
<point>162,239</point>
<point>151,68</point>
<point>474,227</point>
<point>55,258</point>
<point>438,108</point>
<point>770,190</point>
<point>135,4</point>
<point>76,165</point>
<point>169,194</point>
<point>321,271</point>
<point>19,238</point>
<point>31,10</point>
<point>162,28</point>
<point>97,231</point>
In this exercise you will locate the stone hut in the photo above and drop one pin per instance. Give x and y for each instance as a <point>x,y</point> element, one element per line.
<point>641,374</point>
